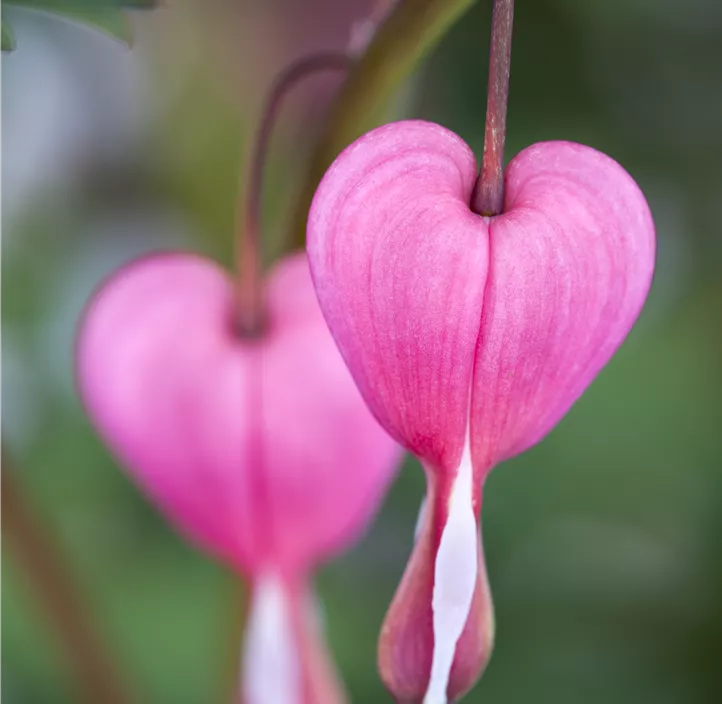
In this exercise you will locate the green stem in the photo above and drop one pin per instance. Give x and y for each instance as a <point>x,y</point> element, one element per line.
<point>35,552</point>
<point>401,41</point>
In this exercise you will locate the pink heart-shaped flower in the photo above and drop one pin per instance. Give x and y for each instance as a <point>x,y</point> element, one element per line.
<point>470,337</point>
<point>261,450</point>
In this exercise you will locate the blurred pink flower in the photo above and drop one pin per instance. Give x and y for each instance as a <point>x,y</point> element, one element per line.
<point>469,337</point>
<point>259,450</point>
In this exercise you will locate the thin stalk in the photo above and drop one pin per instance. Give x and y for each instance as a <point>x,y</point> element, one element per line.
<point>31,545</point>
<point>251,319</point>
<point>488,197</point>
<point>248,244</point>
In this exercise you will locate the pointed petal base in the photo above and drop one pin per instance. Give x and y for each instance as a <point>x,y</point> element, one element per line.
<point>406,644</point>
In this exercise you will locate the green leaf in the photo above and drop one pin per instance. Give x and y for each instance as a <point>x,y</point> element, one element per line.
<point>84,6</point>
<point>401,42</point>
<point>8,36</point>
<point>105,15</point>
<point>112,22</point>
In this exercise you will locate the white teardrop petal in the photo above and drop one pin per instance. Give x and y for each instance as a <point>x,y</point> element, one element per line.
<point>455,574</point>
<point>270,668</point>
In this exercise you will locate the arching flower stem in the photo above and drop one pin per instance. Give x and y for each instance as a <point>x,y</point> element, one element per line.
<point>250,315</point>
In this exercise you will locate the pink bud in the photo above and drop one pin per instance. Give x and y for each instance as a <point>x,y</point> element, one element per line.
<point>469,337</point>
<point>259,450</point>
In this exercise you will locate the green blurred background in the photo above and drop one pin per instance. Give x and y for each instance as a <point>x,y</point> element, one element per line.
<point>604,543</point>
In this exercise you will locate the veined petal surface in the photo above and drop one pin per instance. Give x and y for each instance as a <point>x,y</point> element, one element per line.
<point>400,263</point>
<point>571,262</point>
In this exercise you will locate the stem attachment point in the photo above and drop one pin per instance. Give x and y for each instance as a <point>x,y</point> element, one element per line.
<point>488,196</point>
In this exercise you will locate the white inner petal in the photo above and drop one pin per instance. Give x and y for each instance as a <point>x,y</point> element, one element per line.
<point>270,667</point>
<point>455,575</point>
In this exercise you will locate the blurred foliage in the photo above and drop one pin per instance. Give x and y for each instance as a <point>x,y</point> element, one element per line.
<point>106,15</point>
<point>604,542</point>
<point>410,32</point>
<point>8,36</point>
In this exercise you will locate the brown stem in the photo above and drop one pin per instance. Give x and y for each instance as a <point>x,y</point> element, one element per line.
<point>39,559</point>
<point>248,253</point>
<point>488,197</point>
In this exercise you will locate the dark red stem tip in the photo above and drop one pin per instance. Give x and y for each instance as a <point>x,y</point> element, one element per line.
<point>249,292</point>
<point>488,196</point>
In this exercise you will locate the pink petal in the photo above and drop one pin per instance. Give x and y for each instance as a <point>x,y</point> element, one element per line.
<point>452,324</point>
<point>572,259</point>
<point>400,267</point>
<point>400,263</point>
<point>261,451</point>
<point>329,460</point>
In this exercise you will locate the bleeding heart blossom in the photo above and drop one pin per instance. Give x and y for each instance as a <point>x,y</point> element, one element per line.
<point>469,337</point>
<point>261,450</point>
